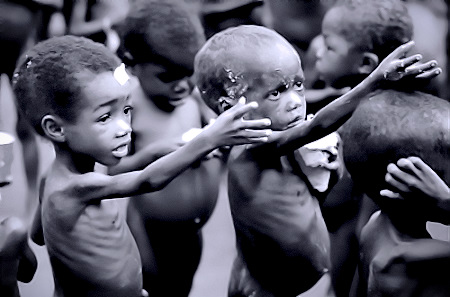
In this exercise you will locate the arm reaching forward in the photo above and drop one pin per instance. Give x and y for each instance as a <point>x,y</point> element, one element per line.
<point>228,129</point>
<point>332,116</point>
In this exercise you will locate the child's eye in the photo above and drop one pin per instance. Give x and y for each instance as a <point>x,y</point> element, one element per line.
<point>104,118</point>
<point>127,109</point>
<point>298,86</point>
<point>275,95</point>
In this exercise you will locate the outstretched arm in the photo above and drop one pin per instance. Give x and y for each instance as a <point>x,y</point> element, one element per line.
<point>141,159</point>
<point>228,129</point>
<point>411,177</point>
<point>332,116</point>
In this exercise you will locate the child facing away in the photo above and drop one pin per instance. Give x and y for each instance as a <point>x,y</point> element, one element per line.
<point>356,35</point>
<point>75,94</point>
<point>398,255</point>
<point>282,240</point>
<point>167,224</point>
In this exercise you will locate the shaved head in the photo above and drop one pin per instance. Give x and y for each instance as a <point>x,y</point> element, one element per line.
<point>223,62</point>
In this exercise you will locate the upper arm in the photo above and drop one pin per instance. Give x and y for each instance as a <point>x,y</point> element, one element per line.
<point>97,186</point>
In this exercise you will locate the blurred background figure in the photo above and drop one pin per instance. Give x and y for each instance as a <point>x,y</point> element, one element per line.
<point>95,19</point>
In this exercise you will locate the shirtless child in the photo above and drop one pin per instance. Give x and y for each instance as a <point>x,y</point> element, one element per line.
<point>281,235</point>
<point>398,255</point>
<point>75,94</point>
<point>167,224</point>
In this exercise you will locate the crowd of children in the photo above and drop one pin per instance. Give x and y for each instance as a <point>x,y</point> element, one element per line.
<point>178,94</point>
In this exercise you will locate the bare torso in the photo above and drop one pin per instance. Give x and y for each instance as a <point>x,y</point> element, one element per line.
<point>395,264</point>
<point>91,248</point>
<point>279,226</point>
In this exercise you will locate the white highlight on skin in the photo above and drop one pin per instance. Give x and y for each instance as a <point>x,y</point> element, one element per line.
<point>120,75</point>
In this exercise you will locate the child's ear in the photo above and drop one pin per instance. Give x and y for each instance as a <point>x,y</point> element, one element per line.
<point>369,63</point>
<point>53,128</point>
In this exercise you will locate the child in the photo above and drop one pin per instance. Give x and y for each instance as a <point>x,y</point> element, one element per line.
<point>398,256</point>
<point>161,55</point>
<point>74,93</point>
<point>357,35</point>
<point>17,260</point>
<point>281,235</point>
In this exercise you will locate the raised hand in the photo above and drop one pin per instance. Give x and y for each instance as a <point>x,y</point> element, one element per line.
<point>231,129</point>
<point>397,65</point>
<point>413,177</point>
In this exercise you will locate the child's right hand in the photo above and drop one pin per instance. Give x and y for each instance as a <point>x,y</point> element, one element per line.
<point>396,66</point>
<point>231,129</point>
<point>413,177</point>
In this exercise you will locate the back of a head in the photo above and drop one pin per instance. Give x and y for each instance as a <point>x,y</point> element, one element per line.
<point>46,80</point>
<point>391,125</point>
<point>228,54</point>
<point>156,29</point>
<point>377,26</point>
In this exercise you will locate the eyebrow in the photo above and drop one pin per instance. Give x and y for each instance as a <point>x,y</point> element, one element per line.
<point>112,101</point>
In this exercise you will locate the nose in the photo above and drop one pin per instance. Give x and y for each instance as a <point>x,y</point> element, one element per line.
<point>294,100</point>
<point>124,128</point>
<point>182,86</point>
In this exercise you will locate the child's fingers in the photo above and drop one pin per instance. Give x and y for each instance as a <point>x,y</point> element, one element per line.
<point>408,61</point>
<point>406,165</point>
<point>389,178</point>
<point>239,110</point>
<point>390,194</point>
<point>430,73</point>
<point>420,68</point>
<point>261,123</point>
<point>249,133</point>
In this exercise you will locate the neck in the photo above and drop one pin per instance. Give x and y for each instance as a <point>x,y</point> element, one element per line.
<point>75,163</point>
<point>409,224</point>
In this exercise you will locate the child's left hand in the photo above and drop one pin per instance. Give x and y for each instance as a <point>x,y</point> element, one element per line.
<point>413,176</point>
<point>397,65</point>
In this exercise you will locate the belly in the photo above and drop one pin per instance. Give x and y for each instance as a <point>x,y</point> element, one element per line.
<point>98,257</point>
<point>280,232</point>
<point>190,197</point>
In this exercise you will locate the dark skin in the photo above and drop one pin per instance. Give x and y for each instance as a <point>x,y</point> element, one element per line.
<point>91,248</point>
<point>165,220</point>
<point>396,250</point>
<point>17,260</point>
<point>280,231</point>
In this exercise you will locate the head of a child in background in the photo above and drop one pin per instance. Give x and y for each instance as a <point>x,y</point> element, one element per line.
<point>74,92</point>
<point>357,36</point>
<point>257,63</point>
<point>218,15</point>
<point>392,125</point>
<point>159,40</point>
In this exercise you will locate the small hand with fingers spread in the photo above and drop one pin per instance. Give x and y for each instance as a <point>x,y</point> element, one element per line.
<point>413,177</point>
<point>396,66</point>
<point>231,129</point>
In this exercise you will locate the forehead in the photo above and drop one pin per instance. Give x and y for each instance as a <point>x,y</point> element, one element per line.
<point>266,64</point>
<point>97,89</point>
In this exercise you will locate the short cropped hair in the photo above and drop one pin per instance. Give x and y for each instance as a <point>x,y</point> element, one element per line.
<point>45,81</point>
<point>391,125</point>
<point>377,26</point>
<point>150,22</point>
<point>222,54</point>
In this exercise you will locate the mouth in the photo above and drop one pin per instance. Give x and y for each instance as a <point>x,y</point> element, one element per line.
<point>297,120</point>
<point>120,151</point>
